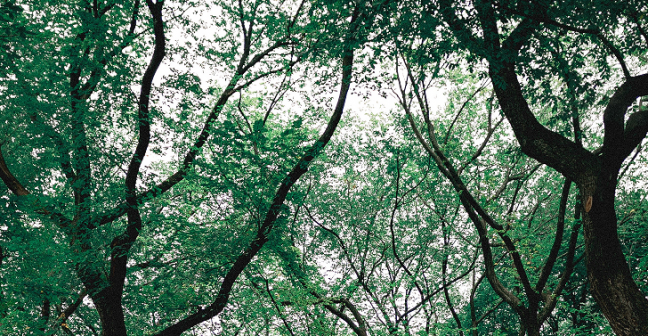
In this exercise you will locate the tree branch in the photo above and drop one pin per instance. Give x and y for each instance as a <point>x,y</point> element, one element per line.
<point>555,248</point>
<point>19,190</point>
<point>9,179</point>
<point>273,213</point>
<point>122,243</point>
<point>202,137</point>
<point>617,142</point>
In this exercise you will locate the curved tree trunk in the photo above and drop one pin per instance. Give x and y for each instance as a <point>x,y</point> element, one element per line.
<point>609,275</point>
<point>595,173</point>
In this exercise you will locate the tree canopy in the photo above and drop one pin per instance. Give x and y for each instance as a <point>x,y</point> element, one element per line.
<point>338,167</point>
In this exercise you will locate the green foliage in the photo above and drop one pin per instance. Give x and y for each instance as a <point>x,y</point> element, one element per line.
<point>376,238</point>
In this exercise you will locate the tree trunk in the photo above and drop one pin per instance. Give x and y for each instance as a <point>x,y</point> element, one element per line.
<point>530,322</point>
<point>111,314</point>
<point>611,283</point>
<point>613,288</point>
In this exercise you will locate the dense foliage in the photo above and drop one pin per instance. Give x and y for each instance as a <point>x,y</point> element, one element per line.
<point>262,167</point>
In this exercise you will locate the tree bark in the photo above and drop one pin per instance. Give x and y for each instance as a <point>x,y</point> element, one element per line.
<point>111,314</point>
<point>613,287</point>
<point>611,282</point>
<point>596,174</point>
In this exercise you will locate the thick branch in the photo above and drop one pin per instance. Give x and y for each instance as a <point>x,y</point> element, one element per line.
<point>122,243</point>
<point>19,190</point>
<point>9,179</point>
<point>273,213</point>
<point>204,134</point>
<point>535,140</point>
<point>459,28</point>
<point>617,142</point>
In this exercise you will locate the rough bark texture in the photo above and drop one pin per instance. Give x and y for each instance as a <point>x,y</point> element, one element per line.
<point>621,301</point>
<point>612,285</point>
<point>609,275</point>
<point>111,314</point>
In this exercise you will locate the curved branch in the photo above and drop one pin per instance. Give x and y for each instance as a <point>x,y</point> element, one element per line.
<point>615,51</point>
<point>461,109</point>
<point>273,213</point>
<point>475,212</point>
<point>361,275</point>
<point>444,271</point>
<point>122,243</point>
<point>618,142</point>
<point>642,31</point>
<point>19,190</point>
<point>540,143</point>
<point>542,17</point>
<point>204,134</point>
<point>555,248</point>
<point>9,179</point>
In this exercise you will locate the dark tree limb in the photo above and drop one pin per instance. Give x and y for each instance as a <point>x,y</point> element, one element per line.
<point>596,177</point>
<point>44,315</point>
<point>231,88</point>
<point>107,293</point>
<point>555,248</point>
<point>275,210</point>
<point>19,190</point>
<point>9,179</point>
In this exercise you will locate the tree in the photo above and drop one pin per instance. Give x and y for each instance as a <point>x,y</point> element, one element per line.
<point>531,297</point>
<point>76,95</point>
<point>175,167</point>
<point>514,39</point>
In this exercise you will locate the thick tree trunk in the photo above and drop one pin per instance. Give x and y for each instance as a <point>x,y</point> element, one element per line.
<point>111,314</point>
<point>611,283</point>
<point>530,321</point>
<point>535,331</point>
<point>612,286</point>
<point>532,328</point>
